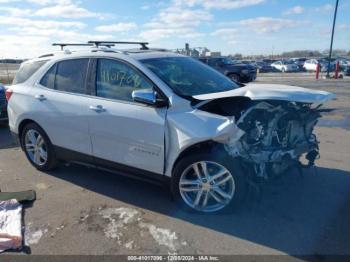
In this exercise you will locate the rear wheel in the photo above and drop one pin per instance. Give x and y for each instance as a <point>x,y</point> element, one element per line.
<point>37,147</point>
<point>208,183</point>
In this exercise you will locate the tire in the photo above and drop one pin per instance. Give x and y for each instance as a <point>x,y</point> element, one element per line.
<point>33,146</point>
<point>183,170</point>
<point>234,77</point>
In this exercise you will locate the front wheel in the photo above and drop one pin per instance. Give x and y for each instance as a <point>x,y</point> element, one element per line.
<point>208,183</point>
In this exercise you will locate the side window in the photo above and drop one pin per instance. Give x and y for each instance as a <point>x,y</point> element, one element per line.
<point>117,80</point>
<point>71,75</point>
<point>27,70</point>
<point>49,78</point>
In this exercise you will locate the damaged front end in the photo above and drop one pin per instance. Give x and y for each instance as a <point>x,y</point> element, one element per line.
<point>274,135</point>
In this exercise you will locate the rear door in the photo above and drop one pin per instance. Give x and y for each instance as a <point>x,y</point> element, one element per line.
<point>125,133</point>
<point>62,106</point>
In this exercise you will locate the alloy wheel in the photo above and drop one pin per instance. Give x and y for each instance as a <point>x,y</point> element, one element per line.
<point>206,186</point>
<point>35,147</point>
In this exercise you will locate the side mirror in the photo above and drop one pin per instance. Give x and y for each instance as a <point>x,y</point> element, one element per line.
<point>148,97</point>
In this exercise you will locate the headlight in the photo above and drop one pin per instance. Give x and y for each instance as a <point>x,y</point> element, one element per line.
<point>245,71</point>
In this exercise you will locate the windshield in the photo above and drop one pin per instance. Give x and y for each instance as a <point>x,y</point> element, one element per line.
<point>189,77</point>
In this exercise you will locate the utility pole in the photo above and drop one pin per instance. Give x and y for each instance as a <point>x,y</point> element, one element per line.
<point>330,49</point>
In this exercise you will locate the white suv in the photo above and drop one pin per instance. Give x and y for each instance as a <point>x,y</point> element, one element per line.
<point>155,114</point>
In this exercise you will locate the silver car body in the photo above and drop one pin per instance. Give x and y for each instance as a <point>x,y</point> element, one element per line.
<point>169,131</point>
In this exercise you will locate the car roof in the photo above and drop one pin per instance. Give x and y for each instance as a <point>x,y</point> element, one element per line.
<point>136,54</point>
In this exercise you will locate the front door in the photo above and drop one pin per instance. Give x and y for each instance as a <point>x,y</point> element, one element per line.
<point>123,131</point>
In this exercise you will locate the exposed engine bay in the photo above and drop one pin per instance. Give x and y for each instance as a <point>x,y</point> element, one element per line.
<point>276,134</point>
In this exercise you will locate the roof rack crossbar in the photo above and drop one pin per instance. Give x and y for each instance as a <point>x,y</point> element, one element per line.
<point>98,43</point>
<point>62,45</point>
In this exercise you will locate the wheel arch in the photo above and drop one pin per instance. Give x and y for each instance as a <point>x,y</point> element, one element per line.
<point>203,146</point>
<point>23,123</point>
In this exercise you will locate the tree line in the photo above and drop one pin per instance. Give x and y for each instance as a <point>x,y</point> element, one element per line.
<point>296,53</point>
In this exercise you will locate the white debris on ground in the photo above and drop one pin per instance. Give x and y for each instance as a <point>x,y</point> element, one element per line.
<point>163,237</point>
<point>115,225</point>
<point>122,221</point>
<point>33,236</point>
<point>129,245</point>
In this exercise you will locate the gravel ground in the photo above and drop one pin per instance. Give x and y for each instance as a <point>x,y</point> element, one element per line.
<point>81,210</point>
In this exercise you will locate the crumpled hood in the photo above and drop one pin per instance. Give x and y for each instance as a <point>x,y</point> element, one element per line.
<point>273,92</point>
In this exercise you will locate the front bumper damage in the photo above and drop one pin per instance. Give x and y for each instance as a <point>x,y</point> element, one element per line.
<point>271,136</point>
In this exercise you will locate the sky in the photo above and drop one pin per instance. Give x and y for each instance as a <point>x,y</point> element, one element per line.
<point>250,27</point>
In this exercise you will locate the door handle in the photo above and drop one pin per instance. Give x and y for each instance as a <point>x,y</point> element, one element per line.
<point>40,97</point>
<point>98,108</point>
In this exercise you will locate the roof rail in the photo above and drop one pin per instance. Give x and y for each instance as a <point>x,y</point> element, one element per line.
<point>98,43</point>
<point>62,45</point>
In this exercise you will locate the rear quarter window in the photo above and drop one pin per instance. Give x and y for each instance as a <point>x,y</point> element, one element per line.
<point>67,75</point>
<point>26,71</point>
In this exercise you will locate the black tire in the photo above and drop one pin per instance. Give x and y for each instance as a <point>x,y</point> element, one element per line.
<point>51,161</point>
<point>222,158</point>
<point>234,77</point>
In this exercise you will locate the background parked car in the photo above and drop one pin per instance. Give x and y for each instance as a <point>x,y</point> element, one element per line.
<point>264,67</point>
<point>299,62</point>
<point>347,71</point>
<point>344,64</point>
<point>311,65</point>
<point>236,71</point>
<point>285,66</point>
<point>3,104</point>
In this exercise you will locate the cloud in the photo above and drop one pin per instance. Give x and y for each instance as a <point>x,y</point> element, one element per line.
<point>66,11</point>
<point>161,33</point>
<point>325,8</point>
<point>175,21</point>
<point>145,7</point>
<point>119,27</point>
<point>296,10</point>
<point>22,46</point>
<point>344,26</point>
<point>12,11</point>
<point>40,2</point>
<point>229,35</point>
<point>154,4</point>
<point>219,4</point>
<point>263,25</point>
<point>49,2</point>
<point>41,24</point>
<point>175,17</point>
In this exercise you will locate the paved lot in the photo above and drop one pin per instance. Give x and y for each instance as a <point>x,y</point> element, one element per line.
<point>81,210</point>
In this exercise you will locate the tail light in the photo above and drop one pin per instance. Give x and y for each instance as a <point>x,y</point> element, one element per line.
<point>8,94</point>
